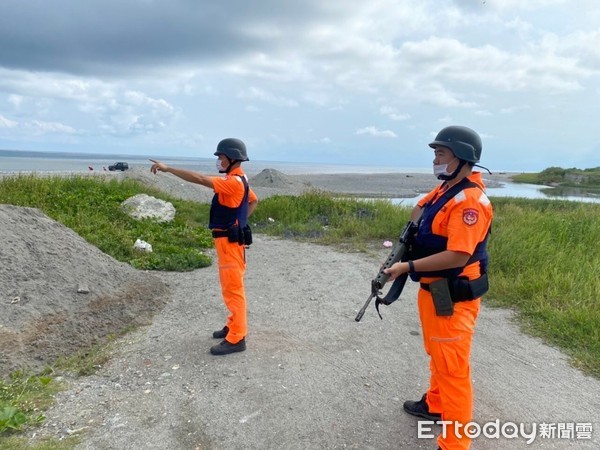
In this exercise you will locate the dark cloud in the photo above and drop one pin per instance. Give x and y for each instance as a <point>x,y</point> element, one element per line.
<point>95,36</point>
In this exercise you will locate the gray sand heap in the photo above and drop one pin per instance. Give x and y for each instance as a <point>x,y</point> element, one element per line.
<point>59,294</point>
<point>272,178</point>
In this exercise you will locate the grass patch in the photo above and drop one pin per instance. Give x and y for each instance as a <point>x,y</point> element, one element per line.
<point>91,206</point>
<point>543,258</point>
<point>23,398</point>
<point>321,217</point>
<point>588,179</point>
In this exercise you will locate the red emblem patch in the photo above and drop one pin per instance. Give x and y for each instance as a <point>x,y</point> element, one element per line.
<point>470,216</point>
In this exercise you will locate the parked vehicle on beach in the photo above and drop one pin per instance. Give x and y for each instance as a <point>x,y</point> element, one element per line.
<point>119,166</point>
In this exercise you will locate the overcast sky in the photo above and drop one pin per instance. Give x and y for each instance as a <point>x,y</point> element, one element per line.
<point>338,81</point>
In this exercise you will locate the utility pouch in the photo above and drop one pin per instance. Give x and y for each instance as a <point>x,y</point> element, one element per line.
<point>242,236</point>
<point>465,290</point>
<point>233,234</point>
<point>247,235</point>
<point>442,299</point>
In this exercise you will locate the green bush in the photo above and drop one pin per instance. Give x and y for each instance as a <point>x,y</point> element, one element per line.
<point>91,206</point>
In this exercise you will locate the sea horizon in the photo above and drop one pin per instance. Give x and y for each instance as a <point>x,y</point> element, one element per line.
<point>15,161</point>
<point>25,161</point>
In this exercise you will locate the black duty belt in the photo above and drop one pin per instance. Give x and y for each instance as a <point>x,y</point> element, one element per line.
<point>220,233</point>
<point>463,290</point>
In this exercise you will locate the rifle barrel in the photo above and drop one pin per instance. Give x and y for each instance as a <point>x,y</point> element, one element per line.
<point>364,308</point>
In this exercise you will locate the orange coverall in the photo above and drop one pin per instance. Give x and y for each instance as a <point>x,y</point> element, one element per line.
<point>465,221</point>
<point>232,258</point>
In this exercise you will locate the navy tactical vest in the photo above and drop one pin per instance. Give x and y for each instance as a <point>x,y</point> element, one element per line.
<point>223,217</point>
<point>427,243</point>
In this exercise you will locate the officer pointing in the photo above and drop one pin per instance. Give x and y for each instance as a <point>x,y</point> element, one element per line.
<point>231,206</point>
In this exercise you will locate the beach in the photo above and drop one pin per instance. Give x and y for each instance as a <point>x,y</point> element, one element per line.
<point>311,378</point>
<point>273,182</point>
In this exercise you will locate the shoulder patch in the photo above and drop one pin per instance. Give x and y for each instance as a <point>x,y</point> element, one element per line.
<point>470,216</point>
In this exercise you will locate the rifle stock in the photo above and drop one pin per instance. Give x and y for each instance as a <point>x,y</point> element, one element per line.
<point>398,253</point>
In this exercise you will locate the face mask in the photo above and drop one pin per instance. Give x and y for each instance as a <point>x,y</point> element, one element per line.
<point>220,167</point>
<point>440,169</point>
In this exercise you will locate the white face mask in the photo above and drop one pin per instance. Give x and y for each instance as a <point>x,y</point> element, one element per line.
<point>220,167</point>
<point>441,169</point>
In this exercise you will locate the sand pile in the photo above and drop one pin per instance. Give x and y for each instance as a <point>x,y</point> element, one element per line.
<point>59,294</point>
<point>272,178</point>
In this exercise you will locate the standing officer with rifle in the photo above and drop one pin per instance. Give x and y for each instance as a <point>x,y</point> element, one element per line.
<point>231,206</point>
<point>448,257</point>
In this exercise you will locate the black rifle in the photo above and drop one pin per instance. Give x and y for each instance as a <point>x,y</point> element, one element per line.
<point>399,253</point>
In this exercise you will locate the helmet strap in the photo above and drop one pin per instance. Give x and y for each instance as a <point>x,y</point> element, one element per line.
<point>231,163</point>
<point>488,170</point>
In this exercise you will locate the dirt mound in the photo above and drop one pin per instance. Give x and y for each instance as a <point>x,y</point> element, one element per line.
<point>59,294</point>
<point>273,179</point>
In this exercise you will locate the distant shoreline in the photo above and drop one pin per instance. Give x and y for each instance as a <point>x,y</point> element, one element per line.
<point>271,182</point>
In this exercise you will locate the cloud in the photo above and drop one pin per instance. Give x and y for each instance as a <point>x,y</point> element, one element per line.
<point>373,131</point>
<point>393,114</point>
<point>7,123</point>
<point>177,74</point>
<point>255,93</point>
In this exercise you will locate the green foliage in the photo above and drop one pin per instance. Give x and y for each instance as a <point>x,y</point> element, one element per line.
<point>544,262</point>
<point>22,398</point>
<point>552,175</point>
<point>91,206</point>
<point>332,220</point>
<point>18,443</point>
<point>557,176</point>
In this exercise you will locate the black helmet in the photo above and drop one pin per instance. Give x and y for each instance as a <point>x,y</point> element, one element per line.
<point>234,149</point>
<point>464,142</point>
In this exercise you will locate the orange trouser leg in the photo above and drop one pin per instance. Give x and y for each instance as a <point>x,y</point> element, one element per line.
<point>447,341</point>
<point>232,266</point>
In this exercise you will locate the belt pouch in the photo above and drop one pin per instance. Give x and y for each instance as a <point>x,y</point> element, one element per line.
<point>442,300</point>
<point>233,234</point>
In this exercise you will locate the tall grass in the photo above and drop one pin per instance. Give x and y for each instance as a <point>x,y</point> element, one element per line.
<point>319,216</point>
<point>545,263</point>
<point>91,206</point>
<point>544,259</point>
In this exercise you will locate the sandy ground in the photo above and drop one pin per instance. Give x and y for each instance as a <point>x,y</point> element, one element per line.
<point>312,377</point>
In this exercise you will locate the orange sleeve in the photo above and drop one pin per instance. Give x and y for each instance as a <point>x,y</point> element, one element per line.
<point>252,196</point>
<point>230,190</point>
<point>468,221</point>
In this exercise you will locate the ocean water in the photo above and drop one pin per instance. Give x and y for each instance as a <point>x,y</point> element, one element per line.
<point>14,161</point>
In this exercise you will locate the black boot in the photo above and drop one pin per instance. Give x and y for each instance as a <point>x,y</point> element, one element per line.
<point>420,409</point>
<point>224,347</point>
<point>221,334</point>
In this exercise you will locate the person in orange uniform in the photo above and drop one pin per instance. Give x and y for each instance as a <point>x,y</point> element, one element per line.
<point>450,260</point>
<point>232,204</point>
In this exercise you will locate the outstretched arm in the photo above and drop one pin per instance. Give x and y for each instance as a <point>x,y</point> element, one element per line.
<point>187,175</point>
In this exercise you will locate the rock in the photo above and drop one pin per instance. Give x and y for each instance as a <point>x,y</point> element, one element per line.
<point>143,206</point>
